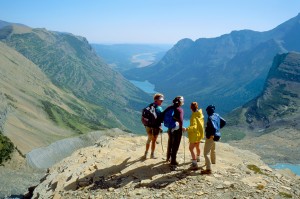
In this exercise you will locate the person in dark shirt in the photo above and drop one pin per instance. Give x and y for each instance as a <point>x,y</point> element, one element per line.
<point>175,134</point>
<point>214,123</point>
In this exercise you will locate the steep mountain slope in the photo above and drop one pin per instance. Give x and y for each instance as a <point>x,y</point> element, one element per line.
<point>33,111</point>
<point>70,62</point>
<point>228,70</point>
<point>272,120</point>
<point>279,101</point>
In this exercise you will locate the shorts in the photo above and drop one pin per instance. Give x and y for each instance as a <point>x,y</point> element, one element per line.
<point>152,131</point>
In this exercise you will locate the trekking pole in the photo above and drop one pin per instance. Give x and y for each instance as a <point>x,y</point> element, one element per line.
<point>183,150</point>
<point>162,147</point>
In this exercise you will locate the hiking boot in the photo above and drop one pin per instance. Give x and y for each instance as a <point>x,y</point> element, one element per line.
<point>173,167</point>
<point>174,163</point>
<point>152,156</point>
<point>194,166</point>
<point>145,155</point>
<point>206,172</point>
<point>168,158</point>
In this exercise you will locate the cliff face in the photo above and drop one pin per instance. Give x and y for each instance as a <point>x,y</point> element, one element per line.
<point>271,120</point>
<point>115,169</point>
<point>280,97</point>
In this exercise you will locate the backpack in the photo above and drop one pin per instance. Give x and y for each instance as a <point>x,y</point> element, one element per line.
<point>218,123</point>
<point>149,116</point>
<point>169,120</point>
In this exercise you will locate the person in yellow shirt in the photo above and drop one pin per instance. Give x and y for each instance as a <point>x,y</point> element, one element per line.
<point>195,133</point>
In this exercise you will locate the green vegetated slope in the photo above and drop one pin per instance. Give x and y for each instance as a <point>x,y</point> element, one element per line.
<point>33,111</point>
<point>227,71</point>
<point>71,64</point>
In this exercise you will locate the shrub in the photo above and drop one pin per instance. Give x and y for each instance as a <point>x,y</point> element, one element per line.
<point>6,148</point>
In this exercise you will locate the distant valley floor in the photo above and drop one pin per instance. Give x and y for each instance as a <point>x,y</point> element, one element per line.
<point>280,146</point>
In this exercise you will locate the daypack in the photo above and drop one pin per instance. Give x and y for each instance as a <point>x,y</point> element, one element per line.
<point>169,120</point>
<point>218,122</point>
<point>149,116</point>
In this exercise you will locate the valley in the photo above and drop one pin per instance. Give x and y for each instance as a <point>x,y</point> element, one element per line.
<point>143,59</point>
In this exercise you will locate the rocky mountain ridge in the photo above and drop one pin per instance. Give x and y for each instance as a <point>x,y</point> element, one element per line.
<point>115,169</point>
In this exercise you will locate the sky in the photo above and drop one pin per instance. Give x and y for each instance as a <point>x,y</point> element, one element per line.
<point>148,21</point>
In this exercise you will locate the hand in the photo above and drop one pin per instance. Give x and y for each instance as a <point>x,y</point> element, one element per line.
<point>160,130</point>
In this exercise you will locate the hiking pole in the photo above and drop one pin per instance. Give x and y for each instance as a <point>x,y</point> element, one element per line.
<point>183,150</point>
<point>162,147</point>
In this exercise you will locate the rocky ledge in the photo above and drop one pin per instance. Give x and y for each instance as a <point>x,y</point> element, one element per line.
<point>116,169</point>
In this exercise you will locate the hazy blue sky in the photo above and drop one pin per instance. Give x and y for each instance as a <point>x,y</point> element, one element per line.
<point>149,21</point>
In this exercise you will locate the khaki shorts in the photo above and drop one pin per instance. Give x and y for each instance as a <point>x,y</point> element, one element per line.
<point>152,131</point>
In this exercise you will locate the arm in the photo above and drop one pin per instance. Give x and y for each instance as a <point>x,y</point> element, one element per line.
<point>210,130</point>
<point>180,118</point>
<point>193,125</point>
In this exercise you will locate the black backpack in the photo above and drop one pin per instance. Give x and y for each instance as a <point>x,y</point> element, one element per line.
<point>149,116</point>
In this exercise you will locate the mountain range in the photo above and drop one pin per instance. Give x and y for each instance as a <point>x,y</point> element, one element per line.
<point>227,71</point>
<point>71,63</point>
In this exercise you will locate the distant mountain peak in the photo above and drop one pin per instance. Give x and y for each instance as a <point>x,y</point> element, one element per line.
<point>184,43</point>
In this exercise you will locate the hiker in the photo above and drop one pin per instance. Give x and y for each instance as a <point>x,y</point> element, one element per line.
<point>154,129</point>
<point>195,133</point>
<point>212,130</point>
<point>176,132</point>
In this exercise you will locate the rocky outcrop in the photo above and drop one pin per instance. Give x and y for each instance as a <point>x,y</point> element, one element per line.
<point>115,169</point>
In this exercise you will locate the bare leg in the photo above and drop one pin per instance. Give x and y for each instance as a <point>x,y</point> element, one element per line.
<point>198,148</point>
<point>191,147</point>
<point>149,133</point>
<point>153,144</point>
